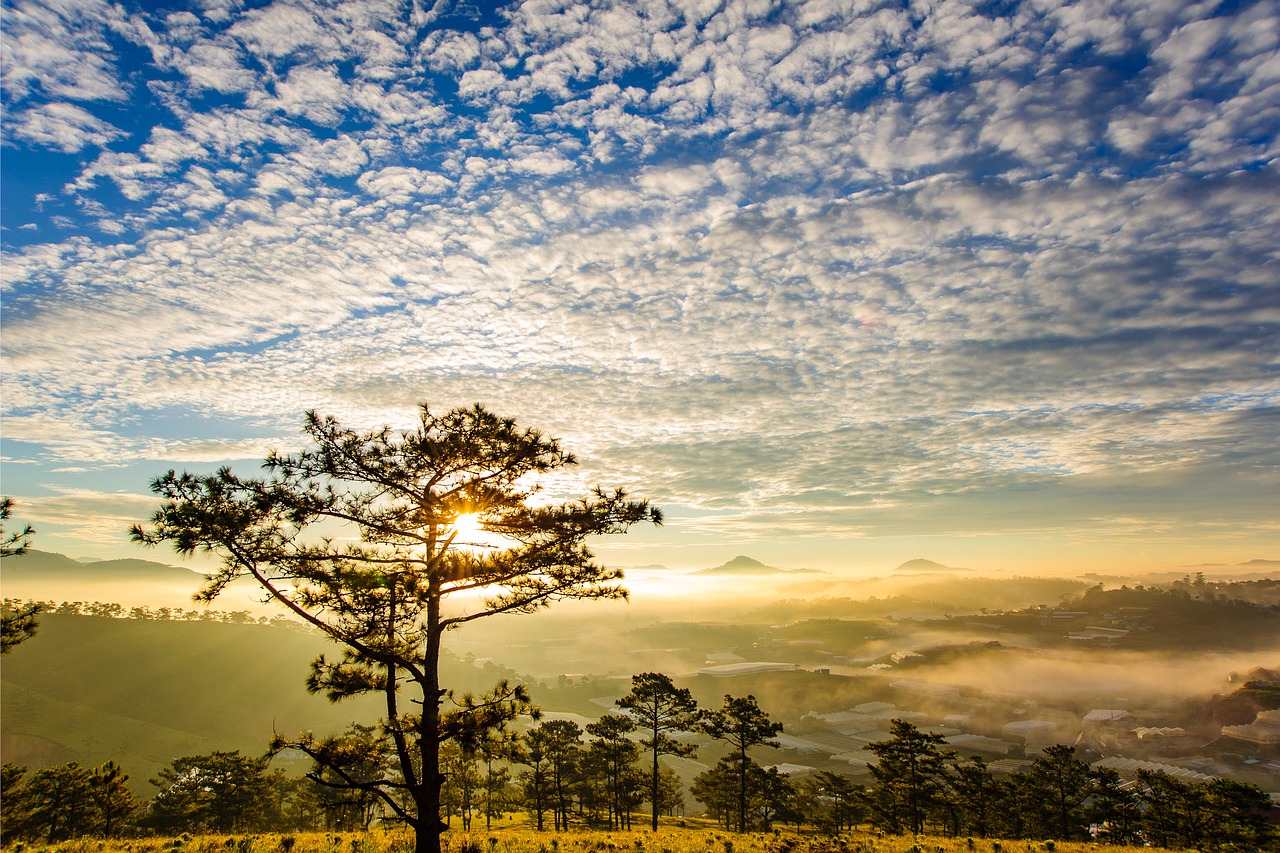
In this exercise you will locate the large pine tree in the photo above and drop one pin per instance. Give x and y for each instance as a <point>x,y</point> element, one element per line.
<point>366,537</point>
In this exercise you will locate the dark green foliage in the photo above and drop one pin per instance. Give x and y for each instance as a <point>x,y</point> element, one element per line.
<point>1059,798</point>
<point>768,795</point>
<point>660,707</point>
<point>346,773</point>
<point>741,724</point>
<point>911,776</point>
<point>462,783</point>
<point>717,789</point>
<point>775,797</point>
<point>379,591</point>
<point>218,792</point>
<point>1221,814</point>
<point>12,544</point>
<point>1112,809</point>
<point>837,802</point>
<point>65,801</point>
<point>1182,618</point>
<point>1058,785</point>
<point>553,753</point>
<point>978,797</point>
<point>609,757</point>
<point>17,624</point>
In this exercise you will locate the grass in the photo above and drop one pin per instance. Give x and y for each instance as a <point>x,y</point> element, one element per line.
<point>694,837</point>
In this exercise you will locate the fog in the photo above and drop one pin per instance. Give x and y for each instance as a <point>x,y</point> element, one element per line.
<point>681,622</point>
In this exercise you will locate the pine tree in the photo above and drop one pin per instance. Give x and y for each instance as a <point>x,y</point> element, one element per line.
<point>660,707</point>
<point>742,725</point>
<point>911,772</point>
<point>363,537</point>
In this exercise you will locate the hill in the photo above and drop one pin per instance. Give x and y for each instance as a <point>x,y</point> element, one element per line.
<point>749,566</point>
<point>919,565</point>
<point>143,692</point>
<point>35,566</point>
<point>46,576</point>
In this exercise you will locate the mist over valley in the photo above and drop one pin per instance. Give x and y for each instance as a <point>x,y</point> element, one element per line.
<point>1002,666</point>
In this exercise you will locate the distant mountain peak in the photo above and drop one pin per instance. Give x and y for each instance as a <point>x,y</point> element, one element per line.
<point>748,566</point>
<point>922,565</point>
<point>741,566</point>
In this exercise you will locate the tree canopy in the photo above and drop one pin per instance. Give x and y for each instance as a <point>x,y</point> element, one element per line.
<point>19,624</point>
<point>660,707</point>
<point>360,536</point>
<point>742,724</point>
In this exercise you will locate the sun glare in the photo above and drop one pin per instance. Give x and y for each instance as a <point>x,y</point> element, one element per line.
<point>467,526</point>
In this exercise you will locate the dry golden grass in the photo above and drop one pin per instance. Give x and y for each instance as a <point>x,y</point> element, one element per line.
<point>694,836</point>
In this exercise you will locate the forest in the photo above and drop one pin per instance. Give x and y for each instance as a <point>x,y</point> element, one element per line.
<point>555,776</point>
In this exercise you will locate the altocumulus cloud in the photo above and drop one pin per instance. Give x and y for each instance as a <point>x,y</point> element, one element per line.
<point>826,269</point>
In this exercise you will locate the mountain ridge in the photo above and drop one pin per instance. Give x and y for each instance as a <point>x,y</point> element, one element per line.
<point>742,565</point>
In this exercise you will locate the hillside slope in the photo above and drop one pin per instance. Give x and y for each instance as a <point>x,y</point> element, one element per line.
<point>143,692</point>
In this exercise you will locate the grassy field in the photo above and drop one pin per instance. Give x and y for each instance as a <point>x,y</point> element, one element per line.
<point>694,837</point>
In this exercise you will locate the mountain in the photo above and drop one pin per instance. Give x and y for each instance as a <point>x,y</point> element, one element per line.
<point>45,576</point>
<point>921,565</point>
<point>36,565</point>
<point>748,566</point>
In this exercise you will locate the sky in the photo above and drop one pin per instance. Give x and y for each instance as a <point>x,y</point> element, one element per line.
<point>835,284</point>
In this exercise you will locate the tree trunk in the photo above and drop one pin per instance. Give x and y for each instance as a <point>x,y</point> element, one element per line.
<point>427,793</point>
<point>654,786</point>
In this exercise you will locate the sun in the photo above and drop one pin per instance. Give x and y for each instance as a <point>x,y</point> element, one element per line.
<point>467,526</point>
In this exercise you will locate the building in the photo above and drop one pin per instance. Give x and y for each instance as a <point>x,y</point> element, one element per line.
<point>1264,730</point>
<point>746,668</point>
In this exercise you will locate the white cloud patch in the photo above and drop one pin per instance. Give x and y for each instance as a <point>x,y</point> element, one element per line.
<point>66,127</point>
<point>60,51</point>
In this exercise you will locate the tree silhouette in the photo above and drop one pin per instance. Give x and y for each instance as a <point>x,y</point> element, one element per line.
<point>910,773</point>
<point>742,725</point>
<point>660,707</point>
<point>552,752</point>
<point>347,769</point>
<point>17,625</point>
<point>978,795</point>
<point>840,799</point>
<point>218,792</point>
<point>12,544</point>
<point>359,536</point>
<point>612,752</point>
<point>1061,784</point>
<point>715,789</point>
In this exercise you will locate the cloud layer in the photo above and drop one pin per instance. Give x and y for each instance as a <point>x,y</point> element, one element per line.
<point>812,270</point>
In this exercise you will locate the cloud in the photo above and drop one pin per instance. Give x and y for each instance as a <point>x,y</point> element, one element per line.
<point>61,51</point>
<point>281,30</point>
<point>830,268</point>
<point>65,127</point>
<point>94,518</point>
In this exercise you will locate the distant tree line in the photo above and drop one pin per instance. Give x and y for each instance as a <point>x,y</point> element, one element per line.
<point>112,610</point>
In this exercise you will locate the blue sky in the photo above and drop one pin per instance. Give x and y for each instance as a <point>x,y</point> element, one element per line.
<point>837,284</point>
